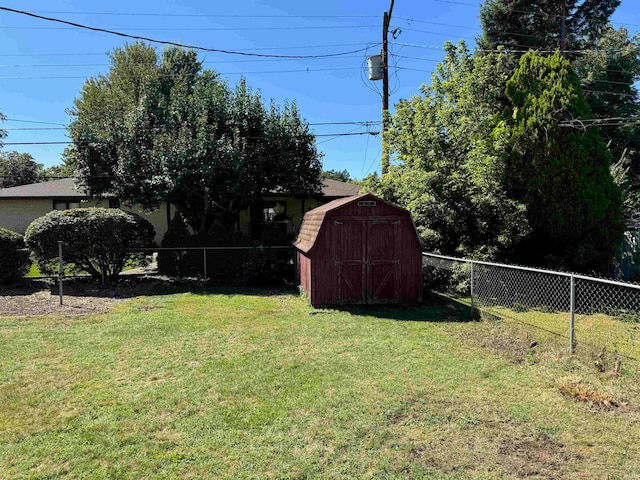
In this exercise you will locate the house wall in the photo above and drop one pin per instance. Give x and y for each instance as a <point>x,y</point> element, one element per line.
<point>157,218</point>
<point>294,211</point>
<point>16,215</point>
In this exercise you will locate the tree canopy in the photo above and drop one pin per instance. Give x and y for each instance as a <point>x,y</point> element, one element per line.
<point>19,169</point>
<point>447,172</point>
<point>606,59</point>
<point>574,208</point>
<point>540,24</point>
<point>486,170</point>
<point>340,175</point>
<point>162,129</point>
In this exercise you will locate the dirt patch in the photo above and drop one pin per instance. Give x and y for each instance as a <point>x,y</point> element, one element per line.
<point>536,456</point>
<point>518,347</point>
<point>82,296</point>
<point>45,303</point>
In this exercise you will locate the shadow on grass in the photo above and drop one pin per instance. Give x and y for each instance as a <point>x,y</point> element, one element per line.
<point>434,308</point>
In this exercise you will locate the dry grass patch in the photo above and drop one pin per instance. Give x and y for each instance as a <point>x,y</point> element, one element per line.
<point>584,392</point>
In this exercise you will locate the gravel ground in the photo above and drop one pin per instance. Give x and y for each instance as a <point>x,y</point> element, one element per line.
<point>81,296</point>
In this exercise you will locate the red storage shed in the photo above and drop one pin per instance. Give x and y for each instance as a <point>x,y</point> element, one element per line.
<point>359,250</point>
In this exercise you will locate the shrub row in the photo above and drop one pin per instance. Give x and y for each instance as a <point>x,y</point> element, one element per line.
<point>99,241</point>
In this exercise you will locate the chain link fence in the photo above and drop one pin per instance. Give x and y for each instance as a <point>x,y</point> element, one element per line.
<point>588,312</point>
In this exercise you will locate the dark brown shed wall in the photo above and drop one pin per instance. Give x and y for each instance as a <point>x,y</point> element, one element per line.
<point>324,272</point>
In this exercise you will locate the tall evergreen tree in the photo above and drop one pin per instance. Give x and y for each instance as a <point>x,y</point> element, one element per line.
<point>573,206</point>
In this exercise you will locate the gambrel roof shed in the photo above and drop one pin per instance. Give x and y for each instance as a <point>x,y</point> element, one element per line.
<point>359,250</point>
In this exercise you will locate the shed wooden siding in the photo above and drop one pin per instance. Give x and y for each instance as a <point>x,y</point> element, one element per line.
<point>321,242</point>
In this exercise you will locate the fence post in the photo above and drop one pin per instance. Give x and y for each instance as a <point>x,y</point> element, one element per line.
<point>60,269</point>
<point>572,308</point>
<point>204,260</point>
<point>473,308</point>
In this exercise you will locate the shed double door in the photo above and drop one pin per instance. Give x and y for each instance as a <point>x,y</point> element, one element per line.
<point>367,259</point>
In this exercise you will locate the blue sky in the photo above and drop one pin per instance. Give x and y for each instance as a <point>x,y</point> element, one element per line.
<point>43,65</point>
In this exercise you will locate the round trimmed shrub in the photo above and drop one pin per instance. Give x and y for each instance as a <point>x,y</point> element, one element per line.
<point>95,240</point>
<point>14,258</point>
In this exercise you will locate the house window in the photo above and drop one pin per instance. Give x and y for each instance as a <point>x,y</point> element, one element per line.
<point>267,212</point>
<point>65,204</point>
<point>274,211</point>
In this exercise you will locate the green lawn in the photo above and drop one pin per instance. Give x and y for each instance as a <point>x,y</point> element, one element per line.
<point>595,331</point>
<point>250,385</point>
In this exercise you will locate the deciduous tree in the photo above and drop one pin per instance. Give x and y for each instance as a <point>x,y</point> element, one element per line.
<point>19,169</point>
<point>164,130</point>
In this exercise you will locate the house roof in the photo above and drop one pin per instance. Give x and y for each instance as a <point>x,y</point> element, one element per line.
<point>312,222</point>
<point>66,188</point>
<point>335,188</point>
<point>63,188</point>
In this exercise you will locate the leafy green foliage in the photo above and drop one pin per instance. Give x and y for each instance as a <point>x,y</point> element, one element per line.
<point>340,175</point>
<point>607,61</point>
<point>573,204</point>
<point>246,266</point>
<point>14,259</point>
<point>95,240</point>
<point>67,168</point>
<point>164,130</point>
<point>501,183</point>
<point>19,169</point>
<point>448,173</point>
<point>3,133</point>
<point>537,24</point>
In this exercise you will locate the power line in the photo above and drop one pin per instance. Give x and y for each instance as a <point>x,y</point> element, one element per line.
<point>175,44</point>
<point>306,70</point>
<point>57,54</point>
<point>355,122</point>
<point>190,29</point>
<point>348,134</point>
<point>205,15</point>
<point>209,62</point>
<point>414,20</point>
<point>33,128</point>
<point>510,50</point>
<point>33,121</point>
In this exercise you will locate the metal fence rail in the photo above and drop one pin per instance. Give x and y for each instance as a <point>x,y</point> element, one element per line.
<point>587,311</point>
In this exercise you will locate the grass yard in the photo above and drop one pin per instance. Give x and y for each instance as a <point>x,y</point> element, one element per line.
<point>595,331</point>
<point>226,384</point>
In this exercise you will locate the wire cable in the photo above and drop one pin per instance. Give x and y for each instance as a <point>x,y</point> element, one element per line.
<point>175,44</point>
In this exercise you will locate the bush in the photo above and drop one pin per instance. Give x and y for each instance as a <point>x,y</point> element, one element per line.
<point>95,240</point>
<point>248,266</point>
<point>14,259</point>
<point>264,267</point>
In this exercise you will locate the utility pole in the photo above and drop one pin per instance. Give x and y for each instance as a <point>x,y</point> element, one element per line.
<point>563,30</point>
<point>385,87</point>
